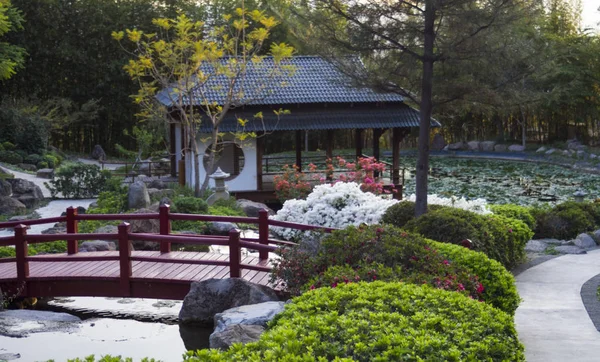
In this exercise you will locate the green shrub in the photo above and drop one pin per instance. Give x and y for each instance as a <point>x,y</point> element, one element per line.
<point>189,205</point>
<point>407,257</point>
<point>218,210</point>
<point>42,164</point>
<point>516,212</point>
<point>1,147</point>
<point>381,322</point>
<point>402,212</point>
<point>7,252</point>
<point>8,146</point>
<point>78,180</point>
<point>500,238</point>
<point>566,220</point>
<point>499,284</point>
<point>51,160</point>
<point>32,159</point>
<point>21,153</point>
<point>10,157</point>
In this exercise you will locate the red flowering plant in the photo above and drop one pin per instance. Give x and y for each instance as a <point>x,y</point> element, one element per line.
<point>371,253</point>
<point>294,184</point>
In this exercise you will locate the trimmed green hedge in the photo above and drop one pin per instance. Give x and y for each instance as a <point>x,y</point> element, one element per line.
<point>391,254</point>
<point>515,212</point>
<point>566,220</point>
<point>500,288</point>
<point>381,322</point>
<point>401,213</point>
<point>499,237</point>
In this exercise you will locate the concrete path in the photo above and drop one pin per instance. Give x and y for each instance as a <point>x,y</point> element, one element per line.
<point>552,321</point>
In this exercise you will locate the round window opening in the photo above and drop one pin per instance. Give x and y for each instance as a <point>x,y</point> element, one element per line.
<point>229,157</point>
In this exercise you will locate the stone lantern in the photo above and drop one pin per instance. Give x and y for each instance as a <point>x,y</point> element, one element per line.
<point>220,189</point>
<point>579,195</point>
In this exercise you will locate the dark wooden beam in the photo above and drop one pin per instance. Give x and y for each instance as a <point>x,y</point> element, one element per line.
<point>396,138</point>
<point>260,148</point>
<point>377,132</point>
<point>299,150</point>
<point>359,142</point>
<point>329,146</point>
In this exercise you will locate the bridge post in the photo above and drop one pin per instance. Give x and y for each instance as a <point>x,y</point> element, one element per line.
<point>263,233</point>
<point>165,227</point>
<point>235,254</point>
<point>21,256</point>
<point>72,228</point>
<point>125,259</point>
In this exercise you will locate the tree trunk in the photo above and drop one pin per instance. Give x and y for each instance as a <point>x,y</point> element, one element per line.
<point>426,107</point>
<point>211,160</point>
<point>195,151</point>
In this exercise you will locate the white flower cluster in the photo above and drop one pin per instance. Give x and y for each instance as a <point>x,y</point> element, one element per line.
<point>479,206</point>
<point>336,206</point>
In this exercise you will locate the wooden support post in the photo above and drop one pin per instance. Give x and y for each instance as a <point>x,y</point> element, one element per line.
<point>263,233</point>
<point>377,132</point>
<point>359,143</point>
<point>235,254</point>
<point>165,227</point>
<point>125,259</point>
<point>260,148</point>
<point>72,228</point>
<point>21,256</point>
<point>181,167</point>
<point>329,146</point>
<point>173,149</point>
<point>299,150</point>
<point>396,138</point>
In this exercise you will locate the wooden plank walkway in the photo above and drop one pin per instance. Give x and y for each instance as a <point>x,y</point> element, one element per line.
<point>164,280</point>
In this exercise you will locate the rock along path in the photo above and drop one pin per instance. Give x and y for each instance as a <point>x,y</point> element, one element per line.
<point>552,321</point>
<point>33,178</point>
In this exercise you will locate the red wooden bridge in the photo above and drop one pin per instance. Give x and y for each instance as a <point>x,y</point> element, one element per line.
<point>162,274</point>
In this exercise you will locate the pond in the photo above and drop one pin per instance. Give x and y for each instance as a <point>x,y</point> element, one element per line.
<point>502,182</point>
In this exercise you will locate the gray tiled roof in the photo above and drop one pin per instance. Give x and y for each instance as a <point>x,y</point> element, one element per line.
<point>314,81</point>
<point>303,118</point>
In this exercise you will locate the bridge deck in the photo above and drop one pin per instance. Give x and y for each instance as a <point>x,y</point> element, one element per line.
<point>148,275</point>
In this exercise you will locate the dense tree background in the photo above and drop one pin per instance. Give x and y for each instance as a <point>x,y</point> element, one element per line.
<point>540,69</point>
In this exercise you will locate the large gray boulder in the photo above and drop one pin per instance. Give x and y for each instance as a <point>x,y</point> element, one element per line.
<point>500,148</point>
<point>10,206</point>
<point>97,245</point>
<point>27,167</point>
<point>516,148</point>
<point>584,241</point>
<point>237,333</point>
<point>5,188</point>
<point>474,145</point>
<point>137,196</point>
<point>45,173</point>
<point>98,153</point>
<point>157,184</point>
<point>220,228</point>
<point>487,146</point>
<point>21,187</point>
<point>536,246</point>
<point>159,194</point>
<point>209,297</point>
<point>21,323</point>
<point>570,249</point>
<point>254,314</point>
<point>150,226</point>
<point>438,143</point>
<point>251,208</point>
<point>458,146</point>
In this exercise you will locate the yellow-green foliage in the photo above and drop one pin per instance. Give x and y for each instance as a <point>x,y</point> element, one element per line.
<point>381,322</point>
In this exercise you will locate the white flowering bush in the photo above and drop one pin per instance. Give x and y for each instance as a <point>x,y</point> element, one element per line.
<point>335,206</point>
<point>478,206</point>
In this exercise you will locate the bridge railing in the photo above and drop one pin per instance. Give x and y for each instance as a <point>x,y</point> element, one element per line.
<point>264,245</point>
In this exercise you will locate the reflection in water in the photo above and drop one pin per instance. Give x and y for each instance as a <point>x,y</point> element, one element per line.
<point>194,336</point>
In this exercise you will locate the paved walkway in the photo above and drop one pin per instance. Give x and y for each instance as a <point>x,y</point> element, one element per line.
<point>552,321</point>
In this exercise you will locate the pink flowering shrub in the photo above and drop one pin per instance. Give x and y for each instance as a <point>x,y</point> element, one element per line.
<point>294,184</point>
<point>372,253</point>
